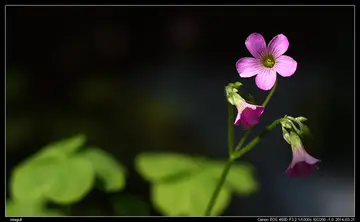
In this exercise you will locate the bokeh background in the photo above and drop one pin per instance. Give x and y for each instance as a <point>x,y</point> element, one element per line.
<point>137,79</point>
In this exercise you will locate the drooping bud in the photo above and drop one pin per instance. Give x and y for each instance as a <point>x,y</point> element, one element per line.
<point>248,114</point>
<point>302,163</point>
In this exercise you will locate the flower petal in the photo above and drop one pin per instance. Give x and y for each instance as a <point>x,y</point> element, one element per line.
<point>245,125</point>
<point>248,115</point>
<point>259,111</point>
<point>237,120</point>
<point>248,67</point>
<point>256,44</point>
<point>311,160</point>
<point>302,163</point>
<point>265,80</point>
<point>300,169</point>
<point>278,45</point>
<point>285,66</point>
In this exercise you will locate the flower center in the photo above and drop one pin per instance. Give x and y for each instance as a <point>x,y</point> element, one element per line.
<point>268,61</point>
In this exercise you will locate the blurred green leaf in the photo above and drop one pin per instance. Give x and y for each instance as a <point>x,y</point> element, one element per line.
<point>188,197</point>
<point>240,179</point>
<point>128,205</point>
<point>193,180</point>
<point>14,208</point>
<point>30,181</point>
<point>159,166</point>
<point>74,179</point>
<point>62,148</point>
<point>106,168</point>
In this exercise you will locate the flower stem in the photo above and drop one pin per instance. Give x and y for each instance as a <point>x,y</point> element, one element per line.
<point>237,153</point>
<point>232,159</point>
<point>243,138</point>
<point>230,128</point>
<point>228,164</point>
<point>219,186</point>
<point>270,95</point>
<point>256,140</point>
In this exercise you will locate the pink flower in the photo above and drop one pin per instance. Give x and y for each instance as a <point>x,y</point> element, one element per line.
<point>302,163</point>
<point>268,60</point>
<point>248,114</point>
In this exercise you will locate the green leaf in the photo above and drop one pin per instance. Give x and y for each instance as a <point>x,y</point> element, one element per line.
<point>161,166</point>
<point>64,181</point>
<point>106,167</point>
<point>18,209</point>
<point>128,205</point>
<point>30,181</point>
<point>22,209</point>
<point>240,178</point>
<point>188,196</point>
<point>62,148</point>
<point>75,178</point>
<point>183,185</point>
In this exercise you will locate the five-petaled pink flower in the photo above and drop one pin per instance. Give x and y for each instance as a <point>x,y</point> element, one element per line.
<point>267,60</point>
<point>248,114</point>
<point>302,163</point>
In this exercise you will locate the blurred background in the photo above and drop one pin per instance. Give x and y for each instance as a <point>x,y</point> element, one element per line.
<point>136,79</point>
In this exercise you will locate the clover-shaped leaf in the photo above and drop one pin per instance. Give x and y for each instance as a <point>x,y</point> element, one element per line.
<point>183,185</point>
<point>159,166</point>
<point>61,148</point>
<point>188,196</point>
<point>31,181</point>
<point>239,180</point>
<point>107,168</point>
<point>62,180</point>
<point>74,179</point>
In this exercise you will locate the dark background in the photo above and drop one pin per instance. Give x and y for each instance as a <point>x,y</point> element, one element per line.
<point>139,79</point>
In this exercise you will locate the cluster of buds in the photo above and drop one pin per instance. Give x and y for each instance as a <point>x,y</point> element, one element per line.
<point>302,163</point>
